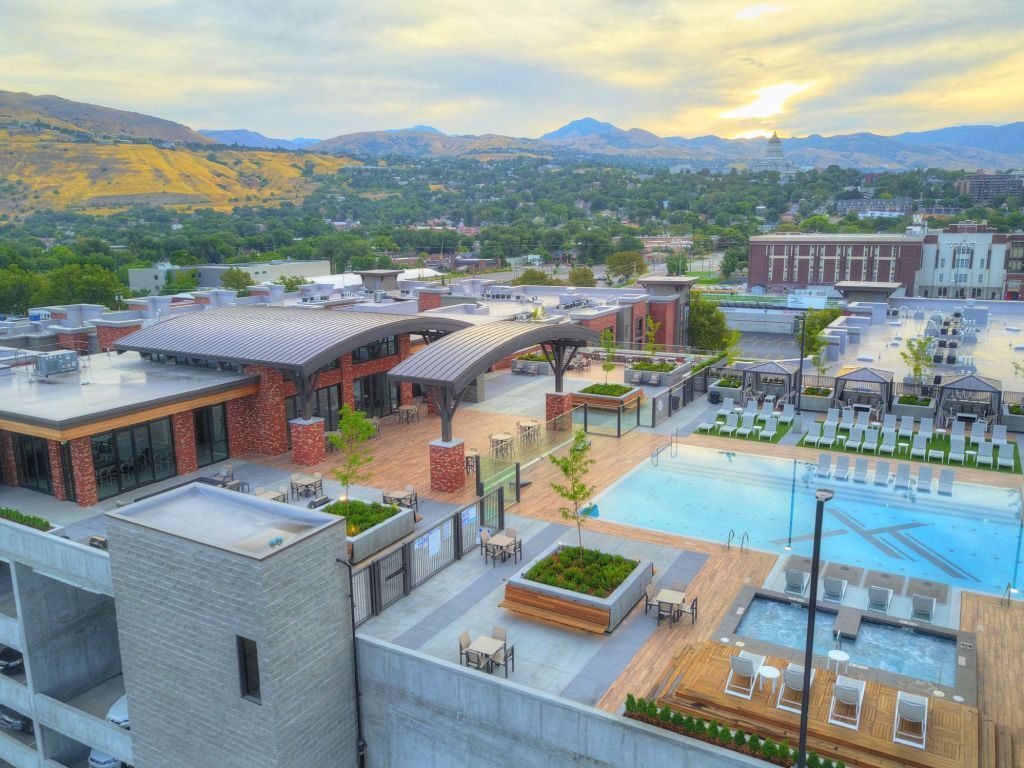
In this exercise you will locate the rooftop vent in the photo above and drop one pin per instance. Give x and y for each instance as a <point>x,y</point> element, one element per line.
<point>49,363</point>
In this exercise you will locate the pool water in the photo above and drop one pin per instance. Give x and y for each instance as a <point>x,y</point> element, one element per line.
<point>971,539</point>
<point>901,651</point>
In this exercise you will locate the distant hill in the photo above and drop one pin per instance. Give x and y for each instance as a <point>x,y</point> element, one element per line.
<point>244,138</point>
<point>416,143</point>
<point>583,128</point>
<point>75,116</point>
<point>1007,139</point>
<point>420,128</point>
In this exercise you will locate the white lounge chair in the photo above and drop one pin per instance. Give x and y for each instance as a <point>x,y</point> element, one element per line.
<point>888,444</point>
<point>847,422</point>
<point>882,473</point>
<point>1006,456</point>
<point>796,581</point>
<point>906,426</point>
<point>824,465</point>
<point>984,454</point>
<point>767,409</point>
<point>842,471</point>
<point>977,435</point>
<point>863,418</point>
<point>946,478</point>
<point>751,409</point>
<point>747,427</point>
<point>923,608</point>
<point>919,448</point>
<point>999,436</point>
<point>770,431</point>
<point>856,439</point>
<point>707,426</point>
<point>788,414</point>
<point>926,428</point>
<point>889,422</point>
<point>957,449</point>
<point>902,481</point>
<point>731,423</point>
<point>832,415</point>
<point>727,407</point>
<point>743,671</point>
<point>847,698</point>
<point>813,433</point>
<point>924,480</point>
<point>860,471</point>
<point>910,725</point>
<point>791,693</point>
<point>870,442</point>
<point>957,430</point>
<point>833,589</point>
<point>828,435</point>
<point>879,599</point>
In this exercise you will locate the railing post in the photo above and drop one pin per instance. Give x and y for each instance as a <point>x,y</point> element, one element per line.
<point>375,587</point>
<point>457,533</point>
<point>501,508</point>
<point>407,568</point>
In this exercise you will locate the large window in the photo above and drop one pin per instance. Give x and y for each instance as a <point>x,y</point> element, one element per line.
<point>375,395</point>
<point>132,457</point>
<point>249,668</point>
<point>33,462</point>
<point>375,350</point>
<point>211,434</point>
<point>326,404</point>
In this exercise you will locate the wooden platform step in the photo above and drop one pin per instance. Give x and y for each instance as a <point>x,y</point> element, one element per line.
<point>555,617</point>
<point>996,746</point>
<point>555,609</point>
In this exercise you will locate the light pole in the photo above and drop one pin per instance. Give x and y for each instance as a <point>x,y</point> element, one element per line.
<point>800,376</point>
<point>821,496</point>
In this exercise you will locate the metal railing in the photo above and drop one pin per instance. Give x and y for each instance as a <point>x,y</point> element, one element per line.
<point>391,576</point>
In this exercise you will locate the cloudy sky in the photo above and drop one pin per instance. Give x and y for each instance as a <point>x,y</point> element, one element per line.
<point>319,68</point>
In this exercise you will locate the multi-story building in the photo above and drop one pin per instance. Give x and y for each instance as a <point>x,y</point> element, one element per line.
<point>984,187</point>
<point>154,279</point>
<point>774,160</point>
<point>963,261</point>
<point>876,208</point>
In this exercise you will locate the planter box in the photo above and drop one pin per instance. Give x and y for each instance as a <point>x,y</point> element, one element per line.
<point>736,393</point>
<point>596,614</point>
<point>816,403</point>
<point>668,379</point>
<point>1011,421</point>
<point>382,535</point>
<point>917,411</point>
<point>607,401</point>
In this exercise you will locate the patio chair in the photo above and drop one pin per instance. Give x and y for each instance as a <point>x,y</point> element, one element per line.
<point>770,431</point>
<point>919,448</point>
<point>767,409</point>
<point>999,435</point>
<point>796,581</point>
<point>882,473</point>
<point>824,465</point>
<point>946,478</point>
<point>847,698</point>
<point>707,426</point>
<point>888,444</point>
<point>813,434</point>
<point>847,422</point>
<point>1005,457</point>
<point>751,409</point>
<point>833,589</point>
<point>910,724</point>
<point>870,440</point>
<point>860,471</point>
<point>731,424</point>
<point>906,426</point>
<point>842,471</point>
<point>791,693</point>
<point>513,550</point>
<point>692,611</point>
<point>923,608</point>
<point>889,422</point>
<point>957,430</point>
<point>788,414</point>
<point>468,657</point>
<point>902,481</point>
<point>727,405</point>
<point>855,439</point>
<point>926,428</point>
<point>879,599</point>
<point>636,378</point>
<point>747,427</point>
<point>984,454</point>
<point>499,633</point>
<point>650,601</point>
<point>977,435</point>
<point>743,670</point>
<point>654,380</point>
<point>666,611</point>
<point>864,418</point>
<point>924,480</point>
<point>505,657</point>
<point>957,449</point>
<point>828,436</point>
<point>832,415</point>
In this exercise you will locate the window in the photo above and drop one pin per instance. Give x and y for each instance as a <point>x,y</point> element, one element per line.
<point>248,669</point>
<point>131,457</point>
<point>376,349</point>
<point>981,278</point>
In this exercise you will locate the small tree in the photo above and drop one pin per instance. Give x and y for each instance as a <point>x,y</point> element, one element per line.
<point>582,277</point>
<point>292,282</point>
<point>236,279</point>
<point>354,429</point>
<point>917,357</point>
<point>574,468</point>
<point>650,334</point>
<point>608,345</point>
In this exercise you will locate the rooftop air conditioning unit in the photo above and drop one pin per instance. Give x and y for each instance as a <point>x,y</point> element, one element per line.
<point>49,363</point>
<point>378,296</point>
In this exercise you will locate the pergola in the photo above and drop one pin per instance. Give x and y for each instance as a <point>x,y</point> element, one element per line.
<point>448,366</point>
<point>970,394</point>
<point>864,386</point>
<point>755,374</point>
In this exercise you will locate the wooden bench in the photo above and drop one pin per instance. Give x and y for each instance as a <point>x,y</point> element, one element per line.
<point>555,610</point>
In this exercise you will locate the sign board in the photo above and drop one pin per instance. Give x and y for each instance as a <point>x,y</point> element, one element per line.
<point>806,301</point>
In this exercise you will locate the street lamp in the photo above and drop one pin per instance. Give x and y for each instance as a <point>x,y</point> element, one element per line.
<point>802,319</point>
<point>821,496</point>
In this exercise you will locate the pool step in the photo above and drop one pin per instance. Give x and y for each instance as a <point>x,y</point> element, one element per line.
<point>847,623</point>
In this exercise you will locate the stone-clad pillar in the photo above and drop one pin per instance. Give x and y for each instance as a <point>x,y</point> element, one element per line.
<point>557,410</point>
<point>447,465</point>
<point>308,441</point>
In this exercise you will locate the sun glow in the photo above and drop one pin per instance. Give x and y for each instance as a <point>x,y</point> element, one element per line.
<point>757,133</point>
<point>756,11</point>
<point>770,101</point>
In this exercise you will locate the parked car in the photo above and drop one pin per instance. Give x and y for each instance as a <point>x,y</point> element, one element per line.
<point>118,715</point>
<point>11,661</point>
<point>14,721</point>
<point>99,759</point>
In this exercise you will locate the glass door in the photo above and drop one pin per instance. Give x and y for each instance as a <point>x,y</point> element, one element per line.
<point>211,434</point>
<point>33,462</point>
<point>132,457</point>
<point>375,395</point>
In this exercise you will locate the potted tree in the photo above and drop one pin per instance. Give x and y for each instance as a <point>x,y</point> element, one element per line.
<point>918,358</point>
<point>815,398</point>
<point>669,371</point>
<point>608,396</point>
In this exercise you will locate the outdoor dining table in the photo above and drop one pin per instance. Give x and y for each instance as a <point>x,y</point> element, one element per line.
<point>671,597</point>
<point>303,483</point>
<point>501,442</point>
<point>408,413</point>
<point>471,455</point>
<point>401,498</point>
<point>486,646</point>
<point>530,428</point>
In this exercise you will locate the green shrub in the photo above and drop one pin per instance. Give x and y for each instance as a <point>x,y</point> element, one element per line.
<point>360,516</point>
<point>699,729</point>
<point>914,400</point>
<point>600,573</point>
<point>630,703</point>
<point>731,382</point>
<point>1017,410</point>
<point>817,391</point>
<point>689,724</point>
<point>652,709</point>
<point>643,365</point>
<point>612,390</point>
<point>740,738</point>
<point>769,751</point>
<point>22,519</point>
<point>535,357</point>
<point>711,361</point>
<point>813,761</point>
<point>666,714</point>
<point>677,719</point>
<point>724,737</point>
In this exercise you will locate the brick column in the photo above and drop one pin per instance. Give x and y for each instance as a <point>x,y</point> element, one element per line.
<point>56,470</point>
<point>184,427</point>
<point>556,410</point>
<point>7,458</point>
<point>307,441</point>
<point>106,335</point>
<point>430,401</point>
<point>83,471</point>
<point>447,465</point>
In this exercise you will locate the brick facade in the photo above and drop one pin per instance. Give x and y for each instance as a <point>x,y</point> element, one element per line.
<point>599,324</point>
<point>428,300</point>
<point>447,465</point>
<point>638,317</point>
<point>265,412</point>
<point>183,426</point>
<point>78,342</point>
<point>56,470</point>
<point>307,441</point>
<point>667,314</point>
<point>556,410</point>
<point>241,427</point>
<point>107,335</point>
<point>84,472</point>
<point>10,467</point>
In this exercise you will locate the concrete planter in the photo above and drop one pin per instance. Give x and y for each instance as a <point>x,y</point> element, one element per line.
<point>607,401</point>
<point>567,604</point>
<point>816,403</point>
<point>382,535</point>
<point>1011,421</point>
<point>917,411</point>
<point>736,393</point>
<point>668,379</point>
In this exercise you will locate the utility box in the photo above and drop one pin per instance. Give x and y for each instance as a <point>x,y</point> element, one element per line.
<point>49,363</point>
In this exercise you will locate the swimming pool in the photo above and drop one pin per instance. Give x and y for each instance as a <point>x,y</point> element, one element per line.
<point>971,539</point>
<point>899,650</point>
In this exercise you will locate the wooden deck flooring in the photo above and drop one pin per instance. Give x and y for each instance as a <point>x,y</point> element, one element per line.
<point>696,686</point>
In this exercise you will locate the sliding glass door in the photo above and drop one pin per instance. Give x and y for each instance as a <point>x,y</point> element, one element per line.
<point>131,457</point>
<point>211,434</point>
<point>326,404</point>
<point>375,395</point>
<point>33,461</point>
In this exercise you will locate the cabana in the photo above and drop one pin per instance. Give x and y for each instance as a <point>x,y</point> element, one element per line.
<point>776,378</point>
<point>970,397</point>
<point>864,388</point>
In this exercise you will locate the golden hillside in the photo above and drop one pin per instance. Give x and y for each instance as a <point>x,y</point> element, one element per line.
<point>47,170</point>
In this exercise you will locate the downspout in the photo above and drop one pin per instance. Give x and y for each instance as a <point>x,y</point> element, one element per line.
<point>360,741</point>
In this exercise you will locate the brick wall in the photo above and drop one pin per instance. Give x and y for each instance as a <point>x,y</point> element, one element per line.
<point>447,465</point>
<point>429,301</point>
<point>106,335</point>
<point>79,342</point>
<point>307,441</point>
<point>83,471</point>
<point>666,313</point>
<point>266,412</point>
<point>7,458</point>
<point>558,404</point>
<point>56,470</point>
<point>599,324</point>
<point>241,426</point>
<point>639,315</point>
<point>184,427</point>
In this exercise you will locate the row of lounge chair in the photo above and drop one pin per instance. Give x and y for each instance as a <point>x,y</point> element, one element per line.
<point>910,725</point>
<point>767,411</point>
<point>833,590</point>
<point>733,426</point>
<point>882,476</point>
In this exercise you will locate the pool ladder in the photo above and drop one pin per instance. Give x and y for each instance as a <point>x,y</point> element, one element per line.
<point>744,541</point>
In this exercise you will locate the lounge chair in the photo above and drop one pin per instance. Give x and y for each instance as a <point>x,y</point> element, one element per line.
<point>1005,456</point>
<point>870,442</point>
<point>984,454</point>
<point>860,471</point>
<point>999,435</point>
<point>796,581</point>
<point>923,608</point>
<point>910,725</point>
<point>879,599</point>
<point>707,426</point>
<point>977,435</point>
<point>919,448</point>
<point>727,406</point>
<point>828,435</point>
<point>946,478</point>
<point>888,444</point>
<point>926,428</point>
<point>882,473</point>
<point>824,465</point>
<point>847,697</point>
<point>770,431</point>
<point>906,426</point>
<point>791,694</point>
<point>833,589</point>
<point>788,414</point>
<point>957,449</point>
<point>842,471</point>
<point>847,423</point>
<point>731,423</point>
<point>856,439</point>
<point>832,415</point>
<point>889,422</point>
<point>957,429</point>
<point>767,409</point>
<point>813,434</point>
<point>863,418</point>
<point>924,480</point>
<point>747,428</point>
<point>751,409</point>
<point>902,481</point>
<point>743,673</point>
